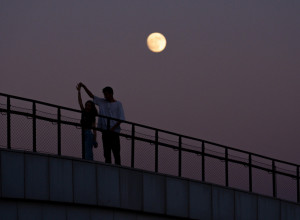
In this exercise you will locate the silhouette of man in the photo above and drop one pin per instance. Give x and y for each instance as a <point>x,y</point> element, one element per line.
<point>109,107</point>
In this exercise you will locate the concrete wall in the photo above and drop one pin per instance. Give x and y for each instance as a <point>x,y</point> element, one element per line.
<point>47,187</point>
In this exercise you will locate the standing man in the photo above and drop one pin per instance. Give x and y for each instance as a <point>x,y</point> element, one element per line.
<point>109,107</point>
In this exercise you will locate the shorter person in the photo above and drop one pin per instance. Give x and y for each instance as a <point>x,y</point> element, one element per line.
<point>88,123</point>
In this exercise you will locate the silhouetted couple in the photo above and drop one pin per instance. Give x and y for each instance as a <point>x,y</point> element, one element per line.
<point>109,107</point>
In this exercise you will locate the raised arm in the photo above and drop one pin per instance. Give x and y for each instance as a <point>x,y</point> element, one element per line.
<point>90,94</point>
<point>79,97</point>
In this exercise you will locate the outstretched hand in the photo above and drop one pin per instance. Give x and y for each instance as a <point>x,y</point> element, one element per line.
<point>78,86</point>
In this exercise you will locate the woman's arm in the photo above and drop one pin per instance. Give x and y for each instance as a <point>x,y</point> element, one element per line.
<point>79,97</point>
<point>90,94</point>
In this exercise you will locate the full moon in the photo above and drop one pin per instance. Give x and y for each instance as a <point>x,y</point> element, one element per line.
<point>156,42</point>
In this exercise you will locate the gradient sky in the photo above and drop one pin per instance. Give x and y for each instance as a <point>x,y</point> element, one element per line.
<point>229,74</point>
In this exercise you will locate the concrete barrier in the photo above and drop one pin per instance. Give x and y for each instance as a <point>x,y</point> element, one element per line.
<point>61,183</point>
<point>246,206</point>
<point>36,177</point>
<point>177,194</point>
<point>84,183</point>
<point>37,186</point>
<point>108,183</point>
<point>200,200</point>
<point>12,174</point>
<point>154,191</point>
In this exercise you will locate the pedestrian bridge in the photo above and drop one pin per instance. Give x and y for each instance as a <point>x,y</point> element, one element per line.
<point>164,175</point>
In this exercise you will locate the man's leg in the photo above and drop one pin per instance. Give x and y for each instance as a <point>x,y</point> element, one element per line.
<point>115,140</point>
<point>106,147</point>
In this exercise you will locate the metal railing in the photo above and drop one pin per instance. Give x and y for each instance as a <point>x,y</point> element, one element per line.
<point>191,157</point>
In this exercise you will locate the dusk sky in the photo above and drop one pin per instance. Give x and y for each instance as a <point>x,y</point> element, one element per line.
<point>230,72</point>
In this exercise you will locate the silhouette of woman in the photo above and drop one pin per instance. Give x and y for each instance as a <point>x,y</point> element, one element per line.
<point>88,123</point>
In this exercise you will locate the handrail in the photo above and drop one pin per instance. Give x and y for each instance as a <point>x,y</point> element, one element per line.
<point>154,129</point>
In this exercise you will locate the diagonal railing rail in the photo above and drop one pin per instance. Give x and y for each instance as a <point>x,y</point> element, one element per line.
<point>208,154</point>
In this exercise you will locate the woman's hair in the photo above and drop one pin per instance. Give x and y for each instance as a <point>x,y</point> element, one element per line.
<point>94,109</point>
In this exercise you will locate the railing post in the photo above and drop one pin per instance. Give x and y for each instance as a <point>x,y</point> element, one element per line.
<point>180,156</point>
<point>132,145</point>
<point>203,161</point>
<point>274,179</point>
<point>34,126</point>
<point>8,123</point>
<point>250,173</point>
<point>59,131</point>
<point>298,185</point>
<point>226,167</point>
<point>156,151</point>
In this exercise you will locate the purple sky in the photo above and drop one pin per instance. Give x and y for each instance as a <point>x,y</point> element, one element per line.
<point>229,74</point>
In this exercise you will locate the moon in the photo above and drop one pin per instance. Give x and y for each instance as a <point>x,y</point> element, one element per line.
<point>156,42</point>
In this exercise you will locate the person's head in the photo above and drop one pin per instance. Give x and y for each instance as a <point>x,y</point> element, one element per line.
<point>108,93</point>
<point>90,107</point>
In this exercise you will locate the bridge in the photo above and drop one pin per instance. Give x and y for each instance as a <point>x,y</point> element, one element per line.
<point>164,175</point>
